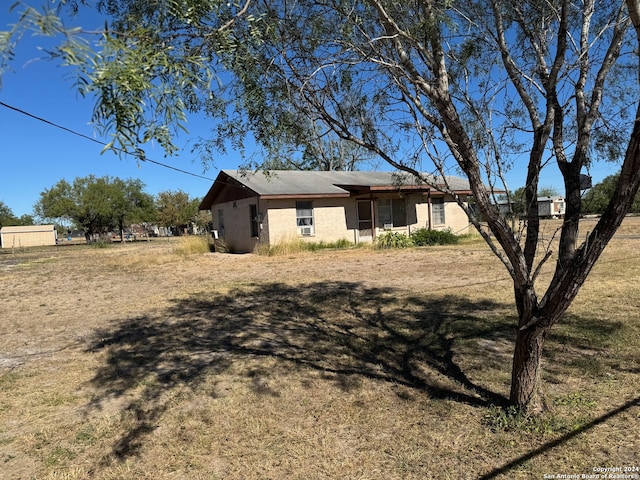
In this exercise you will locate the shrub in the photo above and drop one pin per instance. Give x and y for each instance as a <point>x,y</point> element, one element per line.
<point>394,240</point>
<point>423,237</point>
<point>342,244</point>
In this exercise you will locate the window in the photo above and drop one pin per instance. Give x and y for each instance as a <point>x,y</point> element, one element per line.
<point>437,210</point>
<point>384,212</point>
<point>392,211</point>
<point>253,215</point>
<point>220,223</point>
<point>304,218</point>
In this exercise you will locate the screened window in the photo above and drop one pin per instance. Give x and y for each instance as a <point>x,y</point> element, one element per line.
<point>437,210</point>
<point>392,212</point>
<point>384,211</point>
<point>304,218</point>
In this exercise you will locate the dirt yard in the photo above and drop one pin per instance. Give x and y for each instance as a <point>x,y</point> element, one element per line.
<point>136,362</point>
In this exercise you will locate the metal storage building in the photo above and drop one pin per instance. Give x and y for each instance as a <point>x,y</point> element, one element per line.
<point>27,236</point>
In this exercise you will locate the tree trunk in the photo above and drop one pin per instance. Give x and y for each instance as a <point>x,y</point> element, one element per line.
<point>527,354</point>
<point>525,373</point>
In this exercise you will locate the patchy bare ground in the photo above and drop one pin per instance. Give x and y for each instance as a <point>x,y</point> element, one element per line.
<point>136,362</point>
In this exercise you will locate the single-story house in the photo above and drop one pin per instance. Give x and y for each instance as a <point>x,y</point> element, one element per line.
<point>252,208</point>
<point>28,236</point>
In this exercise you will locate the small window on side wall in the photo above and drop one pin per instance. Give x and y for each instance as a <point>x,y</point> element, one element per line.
<point>253,214</point>
<point>221,223</point>
<point>304,218</point>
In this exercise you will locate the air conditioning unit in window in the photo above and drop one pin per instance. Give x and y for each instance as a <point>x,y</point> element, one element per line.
<point>388,226</point>
<point>306,231</point>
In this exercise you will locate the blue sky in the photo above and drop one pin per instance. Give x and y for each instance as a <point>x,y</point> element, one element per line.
<point>34,155</point>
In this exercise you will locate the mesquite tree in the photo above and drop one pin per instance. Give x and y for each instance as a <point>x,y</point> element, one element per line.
<point>473,86</point>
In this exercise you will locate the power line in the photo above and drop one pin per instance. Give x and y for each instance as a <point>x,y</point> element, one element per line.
<point>87,137</point>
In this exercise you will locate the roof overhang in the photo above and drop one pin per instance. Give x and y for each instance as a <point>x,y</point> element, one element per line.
<point>364,189</point>
<point>310,196</point>
<point>225,189</point>
<point>27,228</point>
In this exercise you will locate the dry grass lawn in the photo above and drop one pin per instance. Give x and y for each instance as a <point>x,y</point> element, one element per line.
<point>139,362</point>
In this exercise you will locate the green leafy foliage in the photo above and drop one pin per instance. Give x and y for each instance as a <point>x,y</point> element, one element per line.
<point>424,237</point>
<point>6,216</point>
<point>97,205</point>
<point>176,209</point>
<point>394,240</point>
<point>596,199</point>
<point>144,83</point>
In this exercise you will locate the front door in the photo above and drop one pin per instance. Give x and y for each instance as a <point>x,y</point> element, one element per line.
<point>365,224</point>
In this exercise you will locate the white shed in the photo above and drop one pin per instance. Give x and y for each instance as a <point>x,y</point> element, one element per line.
<point>27,236</point>
<point>551,207</point>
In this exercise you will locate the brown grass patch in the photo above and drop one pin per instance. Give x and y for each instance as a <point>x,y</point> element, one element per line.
<point>137,362</point>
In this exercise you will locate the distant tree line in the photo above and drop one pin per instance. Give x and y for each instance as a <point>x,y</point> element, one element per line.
<point>8,219</point>
<point>97,205</point>
<point>596,199</point>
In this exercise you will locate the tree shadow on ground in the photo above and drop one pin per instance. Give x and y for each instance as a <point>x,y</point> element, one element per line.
<point>584,344</point>
<point>341,328</point>
<point>517,462</point>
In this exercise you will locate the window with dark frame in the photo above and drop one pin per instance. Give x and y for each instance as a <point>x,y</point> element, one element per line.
<point>253,213</point>
<point>220,223</point>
